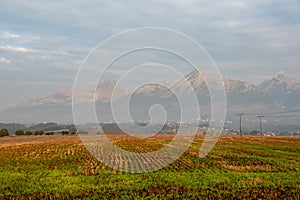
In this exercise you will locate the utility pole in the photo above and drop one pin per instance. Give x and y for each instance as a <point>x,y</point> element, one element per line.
<point>260,124</point>
<point>241,127</point>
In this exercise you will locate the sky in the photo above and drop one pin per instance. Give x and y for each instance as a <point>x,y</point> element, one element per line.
<point>43,43</point>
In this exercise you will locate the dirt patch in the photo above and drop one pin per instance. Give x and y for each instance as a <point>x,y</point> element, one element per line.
<point>19,140</point>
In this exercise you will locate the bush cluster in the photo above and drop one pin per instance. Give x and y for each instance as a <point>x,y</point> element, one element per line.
<point>4,132</point>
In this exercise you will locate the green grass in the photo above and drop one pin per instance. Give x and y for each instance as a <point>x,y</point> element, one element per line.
<point>237,168</point>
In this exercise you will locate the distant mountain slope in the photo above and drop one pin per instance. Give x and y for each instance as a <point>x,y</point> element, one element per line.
<point>284,89</point>
<point>58,106</point>
<point>103,93</point>
<point>241,97</point>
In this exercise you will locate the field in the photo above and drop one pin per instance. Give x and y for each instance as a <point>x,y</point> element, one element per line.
<point>59,167</point>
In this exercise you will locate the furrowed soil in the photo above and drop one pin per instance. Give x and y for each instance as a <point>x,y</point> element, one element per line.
<point>59,167</point>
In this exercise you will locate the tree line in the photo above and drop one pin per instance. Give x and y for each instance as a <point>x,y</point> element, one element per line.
<point>4,132</point>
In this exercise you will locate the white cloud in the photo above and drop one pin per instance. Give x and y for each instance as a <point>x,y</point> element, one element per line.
<point>7,35</point>
<point>18,49</point>
<point>4,60</point>
<point>249,40</point>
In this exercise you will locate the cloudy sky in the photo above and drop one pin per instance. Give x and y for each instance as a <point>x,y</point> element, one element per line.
<point>43,43</point>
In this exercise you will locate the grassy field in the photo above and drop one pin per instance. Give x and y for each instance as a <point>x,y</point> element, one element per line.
<point>59,167</point>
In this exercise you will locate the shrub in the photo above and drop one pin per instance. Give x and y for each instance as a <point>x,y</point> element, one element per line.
<point>20,132</point>
<point>49,133</point>
<point>4,132</point>
<point>29,133</point>
<point>65,133</point>
<point>40,132</point>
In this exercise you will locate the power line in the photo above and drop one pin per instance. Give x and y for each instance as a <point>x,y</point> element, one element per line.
<point>260,116</point>
<point>283,112</point>
<point>274,113</point>
<point>282,115</point>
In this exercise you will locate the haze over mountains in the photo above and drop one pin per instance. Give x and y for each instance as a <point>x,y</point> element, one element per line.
<point>284,89</point>
<point>103,93</point>
<point>276,94</point>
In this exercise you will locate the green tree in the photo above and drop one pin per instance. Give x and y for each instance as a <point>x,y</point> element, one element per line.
<point>29,133</point>
<point>65,133</point>
<point>49,133</point>
<point>20,132</point>
<point>4,132</point>
<point>39,132</point>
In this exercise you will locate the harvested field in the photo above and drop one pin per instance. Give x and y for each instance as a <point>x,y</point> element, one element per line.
<point>59,167</point>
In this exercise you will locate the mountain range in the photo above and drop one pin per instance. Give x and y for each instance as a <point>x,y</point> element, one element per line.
<point>276,94</point>
<point>284,89</point>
